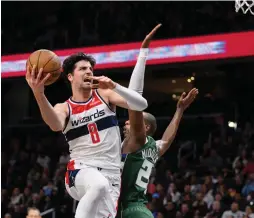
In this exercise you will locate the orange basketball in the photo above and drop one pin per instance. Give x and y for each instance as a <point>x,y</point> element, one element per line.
<point>47,60</point>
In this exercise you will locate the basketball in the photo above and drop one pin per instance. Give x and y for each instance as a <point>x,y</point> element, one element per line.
<point>47,60</point>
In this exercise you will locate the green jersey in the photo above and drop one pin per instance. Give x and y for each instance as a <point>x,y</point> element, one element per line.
<point>136,172</point>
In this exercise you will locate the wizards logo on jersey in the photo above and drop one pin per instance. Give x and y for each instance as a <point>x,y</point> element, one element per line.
<point>86,119</point>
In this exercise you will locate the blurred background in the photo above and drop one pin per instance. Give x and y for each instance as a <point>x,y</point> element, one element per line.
<point>209,169</point>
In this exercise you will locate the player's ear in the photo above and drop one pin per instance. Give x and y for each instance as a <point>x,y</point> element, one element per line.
<point>70,77</point>
<point>148,127</point>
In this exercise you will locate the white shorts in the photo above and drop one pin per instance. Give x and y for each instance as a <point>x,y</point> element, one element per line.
<point>78,181</point>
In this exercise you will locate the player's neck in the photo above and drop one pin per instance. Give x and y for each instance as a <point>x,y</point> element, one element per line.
<point>81,95</point>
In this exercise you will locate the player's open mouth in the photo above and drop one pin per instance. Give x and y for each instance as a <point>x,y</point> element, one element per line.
<point>87,80</point>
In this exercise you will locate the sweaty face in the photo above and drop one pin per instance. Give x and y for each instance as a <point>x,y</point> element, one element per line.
<point>78,78</point>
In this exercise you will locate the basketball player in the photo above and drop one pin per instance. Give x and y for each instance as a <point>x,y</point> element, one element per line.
<point>89,124</point>
<point>141,151</point>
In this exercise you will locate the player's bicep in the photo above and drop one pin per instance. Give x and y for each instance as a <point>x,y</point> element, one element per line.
<point>162,147</point>
<point>62,112</point>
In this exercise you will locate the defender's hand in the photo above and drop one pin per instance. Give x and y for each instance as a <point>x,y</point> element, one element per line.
<point>185,101</point>
<point>148,38</point>
<point>103,82</point>
<point>34,80</point>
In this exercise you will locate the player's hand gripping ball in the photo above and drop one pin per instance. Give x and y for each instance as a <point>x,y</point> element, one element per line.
<point>48,61</point>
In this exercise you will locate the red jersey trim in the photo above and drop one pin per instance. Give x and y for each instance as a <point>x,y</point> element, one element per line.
<point>77,108</point>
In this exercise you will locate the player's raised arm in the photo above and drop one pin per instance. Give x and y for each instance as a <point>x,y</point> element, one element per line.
<point>170,133</point>
<point>138,74</point>
<point>54,117</point>
<point>122,96</point>
<point>136,120</point>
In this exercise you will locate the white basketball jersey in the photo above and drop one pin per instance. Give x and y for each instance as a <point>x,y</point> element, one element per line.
<point>93,134</point>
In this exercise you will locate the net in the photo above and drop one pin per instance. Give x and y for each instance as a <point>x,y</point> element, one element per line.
<point>245,6</point>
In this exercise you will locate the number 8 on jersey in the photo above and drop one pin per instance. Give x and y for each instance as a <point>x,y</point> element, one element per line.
<point>93,131</point>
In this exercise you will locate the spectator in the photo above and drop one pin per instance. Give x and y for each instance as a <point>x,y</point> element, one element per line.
<point>249,212</point>
<point>216,210</point>
<point>160,215</point>
<point>151,188</point>
<point>36,201</point>
<point>194,186</point>
<point>43,160</point>
<point>7,215</point>
<point>26,198</point>
<point>175,195</point>
<point>16,198</point>
<point>240,160</point>
<point>220,180</point>
<point>33,213</point>
<point>35,183</point>
<point>237,184</point>
<point>48,189</point>
<point>234,212</point>
<point>249,168</point>
<point>187,196</point>
<point>249,187</point>
<point>185,211</point>
<point>64,158</point>
<point>218,197</point>
<point>200,205</point>
<point>170,209</point>
<point>208,197</point>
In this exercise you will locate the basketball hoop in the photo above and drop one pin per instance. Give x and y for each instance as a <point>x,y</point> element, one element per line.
<point>245,5</point>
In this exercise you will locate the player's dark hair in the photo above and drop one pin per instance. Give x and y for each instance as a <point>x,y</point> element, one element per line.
<point>69,63</point>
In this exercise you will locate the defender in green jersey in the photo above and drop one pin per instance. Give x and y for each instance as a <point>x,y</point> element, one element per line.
<point>141,151</point>
<point>140,154</point>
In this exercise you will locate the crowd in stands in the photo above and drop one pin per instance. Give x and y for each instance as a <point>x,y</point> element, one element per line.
<point>219,184</point>
<point>33,176</point>
<point>58,25</point>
